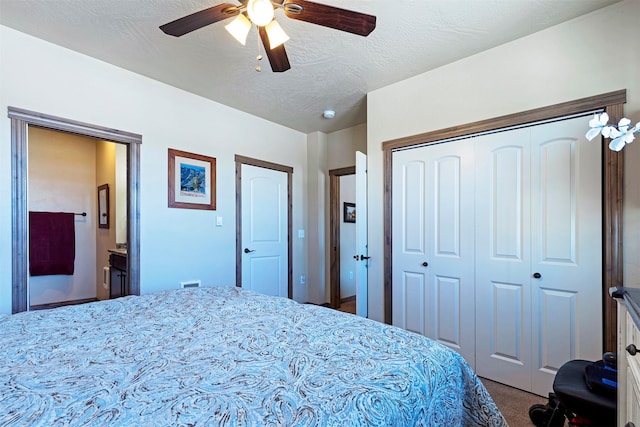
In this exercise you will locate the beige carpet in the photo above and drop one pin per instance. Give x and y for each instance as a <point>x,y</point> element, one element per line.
<point>513,403</point>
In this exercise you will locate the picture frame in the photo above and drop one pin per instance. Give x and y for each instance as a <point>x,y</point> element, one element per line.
<point>192,180</point>
<point>103,206</point>
<point>349,212</point>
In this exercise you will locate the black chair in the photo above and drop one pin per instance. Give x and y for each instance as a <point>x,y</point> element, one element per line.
<point>584,393</point>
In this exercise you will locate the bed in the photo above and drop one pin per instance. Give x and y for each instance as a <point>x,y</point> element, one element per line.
<point>225,356</point>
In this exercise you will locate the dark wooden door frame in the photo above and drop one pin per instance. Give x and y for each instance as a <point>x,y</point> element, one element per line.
<point>20,121</point>
<point>612,185</point>
<point>242,160</point>
<point>334,236</point>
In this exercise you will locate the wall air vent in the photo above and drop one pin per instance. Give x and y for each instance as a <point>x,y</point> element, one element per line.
<point>190,284</point>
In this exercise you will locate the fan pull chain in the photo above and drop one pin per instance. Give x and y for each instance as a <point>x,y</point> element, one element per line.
<point>259,57</point>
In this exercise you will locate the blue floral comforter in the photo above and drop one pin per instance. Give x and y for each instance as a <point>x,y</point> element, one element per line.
<point>224,356</point>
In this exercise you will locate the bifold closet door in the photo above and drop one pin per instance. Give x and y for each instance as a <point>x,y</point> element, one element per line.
<point>433,251</point>
<point>538,253</point>
<point>503,253</point>
<point>567,248</point>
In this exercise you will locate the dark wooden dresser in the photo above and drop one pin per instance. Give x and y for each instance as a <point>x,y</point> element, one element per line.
<point>628,355</point>
<point>119,285</point>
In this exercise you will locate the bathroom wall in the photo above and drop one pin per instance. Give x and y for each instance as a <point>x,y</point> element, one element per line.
<point>121,193</point>
<point>105,162</point>
<point>62,177</point>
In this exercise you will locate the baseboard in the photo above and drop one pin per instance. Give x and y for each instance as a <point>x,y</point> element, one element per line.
<point>61,304</point>
<point>324,304</point>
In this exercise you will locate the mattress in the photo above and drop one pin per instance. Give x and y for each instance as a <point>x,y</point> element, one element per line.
<point>229,357</point>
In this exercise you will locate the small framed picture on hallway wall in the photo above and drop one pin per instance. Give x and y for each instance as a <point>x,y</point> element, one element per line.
<point>349,212</point>
<point>192,181</point>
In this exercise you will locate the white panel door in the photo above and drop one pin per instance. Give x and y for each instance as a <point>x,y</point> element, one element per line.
<point>264,231</point>
<point>409,245</point>
<point>361,236</point>
<point>566,225</point>
<point>538,253</point>
<point>503,258</point>
<point>512,222</point>
<point>433,252</point>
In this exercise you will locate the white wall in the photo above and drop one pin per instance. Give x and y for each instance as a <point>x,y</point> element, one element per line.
<point>62,178</point>
<point>176,244</point>
<point>120,217</point>
<point>590,55</point>
<point>340,148</point>
<point>317,218</point>
<point>347,238</point>
<point>343,144</point>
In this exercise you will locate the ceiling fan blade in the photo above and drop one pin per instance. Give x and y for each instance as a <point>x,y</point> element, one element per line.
<point>332,17</point>
<point>277,56</point>
<point>200,19</point>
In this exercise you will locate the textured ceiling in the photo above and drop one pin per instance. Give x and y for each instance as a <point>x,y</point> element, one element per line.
<point>330,69</point>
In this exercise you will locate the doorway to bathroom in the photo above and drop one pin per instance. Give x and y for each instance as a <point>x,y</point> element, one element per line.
<point>24,122</point>
<point>83,180</point>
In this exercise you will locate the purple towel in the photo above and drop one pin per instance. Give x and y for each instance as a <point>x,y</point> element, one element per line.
<point>52,243</point>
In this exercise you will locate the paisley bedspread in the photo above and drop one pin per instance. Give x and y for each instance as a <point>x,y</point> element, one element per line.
<point>224,356</point>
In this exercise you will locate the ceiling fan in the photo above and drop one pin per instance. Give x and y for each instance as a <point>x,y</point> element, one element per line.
<point>261,13</point>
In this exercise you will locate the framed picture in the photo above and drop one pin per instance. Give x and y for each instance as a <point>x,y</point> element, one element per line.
<point>192,181</point>
<point>103,206</point>
<point>349,212</point>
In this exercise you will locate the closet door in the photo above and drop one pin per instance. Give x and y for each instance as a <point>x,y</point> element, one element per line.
<point>503,258</point>
<point>566,225</point>
<point>538,253</point>
<point>433,253</point>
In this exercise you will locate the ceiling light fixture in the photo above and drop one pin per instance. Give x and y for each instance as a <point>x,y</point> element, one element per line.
<point>239,28</point>
<point>276,34</point>
<point>260,12</point>
<point>271,35</point>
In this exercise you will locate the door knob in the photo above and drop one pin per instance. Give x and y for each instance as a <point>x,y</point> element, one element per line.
<point>247,250</point>
<point>537,275</point>
<point>364,257</point>
<point>631,349</point>
<point>425,264</point>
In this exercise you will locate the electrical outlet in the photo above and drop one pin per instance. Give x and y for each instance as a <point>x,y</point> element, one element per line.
<point>351,275</point>
<point>303,280</point>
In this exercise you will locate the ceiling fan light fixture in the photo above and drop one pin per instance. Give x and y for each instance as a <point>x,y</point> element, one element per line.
<point>260,12</point>
<point>272,37</point>
<point>239,28</point>
<point>276,34</point>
